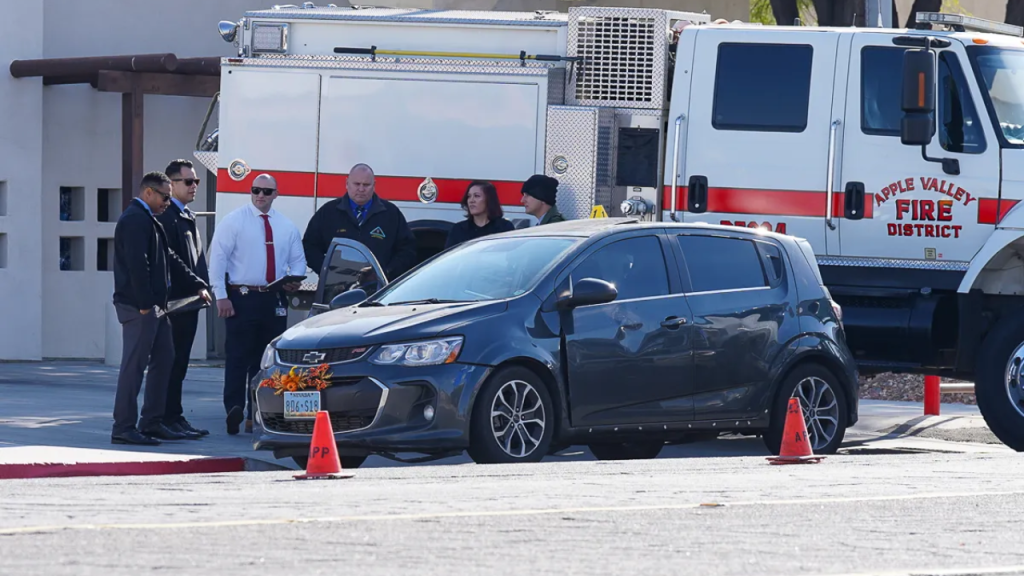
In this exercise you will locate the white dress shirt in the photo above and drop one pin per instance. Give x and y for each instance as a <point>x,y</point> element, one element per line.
<point>238,249</point>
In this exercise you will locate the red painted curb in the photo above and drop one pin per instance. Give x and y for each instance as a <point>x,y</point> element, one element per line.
<point>198,466</point>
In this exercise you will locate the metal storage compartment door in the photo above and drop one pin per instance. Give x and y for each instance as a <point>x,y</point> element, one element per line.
<point>580,142</point>
<point>268,123</point>
<point>449,128</point>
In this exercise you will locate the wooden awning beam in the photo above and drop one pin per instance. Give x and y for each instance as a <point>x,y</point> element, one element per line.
<point>161,84</point>
<point>93,64</point>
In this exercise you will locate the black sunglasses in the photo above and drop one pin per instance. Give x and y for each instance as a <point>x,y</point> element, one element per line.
<point>163,197</point>
<point>187,181</point>
<point>264,191</point>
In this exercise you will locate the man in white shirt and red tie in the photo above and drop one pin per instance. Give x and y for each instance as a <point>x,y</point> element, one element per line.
<point>251,248</point>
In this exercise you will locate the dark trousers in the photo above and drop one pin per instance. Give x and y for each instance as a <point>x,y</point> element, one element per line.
<point>253,326</point>
<point>183,333</point>
<point>147,343</point>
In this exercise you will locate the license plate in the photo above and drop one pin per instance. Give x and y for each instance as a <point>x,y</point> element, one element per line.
<point>301,405</point>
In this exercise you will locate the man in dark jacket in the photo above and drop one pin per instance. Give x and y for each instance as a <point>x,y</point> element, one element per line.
<point>183,239</point>
<point>362,216</point>
<point>539,199</point>
<point>142,282</point>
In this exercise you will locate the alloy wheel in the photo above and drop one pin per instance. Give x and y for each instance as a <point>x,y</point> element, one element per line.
<point>820,410</point>
<point>518,418</point>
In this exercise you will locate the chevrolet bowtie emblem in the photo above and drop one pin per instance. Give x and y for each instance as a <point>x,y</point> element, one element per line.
<point>314,357</point>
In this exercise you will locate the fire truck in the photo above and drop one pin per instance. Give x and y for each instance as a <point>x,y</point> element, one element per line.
<point>897,153</point>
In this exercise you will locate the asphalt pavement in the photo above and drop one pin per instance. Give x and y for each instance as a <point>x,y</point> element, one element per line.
<point>850,514</point>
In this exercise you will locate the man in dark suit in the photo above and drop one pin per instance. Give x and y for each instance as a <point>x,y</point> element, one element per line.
<point>142,279</point>
<point>183,239</point>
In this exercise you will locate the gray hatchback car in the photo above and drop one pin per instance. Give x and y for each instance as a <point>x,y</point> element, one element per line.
<point>614,333</point>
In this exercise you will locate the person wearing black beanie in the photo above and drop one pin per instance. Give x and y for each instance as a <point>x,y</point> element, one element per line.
<point>539,199</point>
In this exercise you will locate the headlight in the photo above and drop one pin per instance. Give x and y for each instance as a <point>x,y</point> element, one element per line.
<point>268,357</point>
<point>427,353</point>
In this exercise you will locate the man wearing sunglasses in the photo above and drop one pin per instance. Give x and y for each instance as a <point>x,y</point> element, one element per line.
<point>253,246</point>
<point>183,239</point>
<point>143,270</point>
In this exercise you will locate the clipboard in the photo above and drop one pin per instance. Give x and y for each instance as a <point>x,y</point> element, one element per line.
<point>278,285</point>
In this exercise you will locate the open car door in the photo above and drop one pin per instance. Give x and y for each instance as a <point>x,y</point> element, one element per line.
<point>349,266</point>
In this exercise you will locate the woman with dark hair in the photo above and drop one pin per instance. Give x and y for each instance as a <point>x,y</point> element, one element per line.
<point>484,215</point>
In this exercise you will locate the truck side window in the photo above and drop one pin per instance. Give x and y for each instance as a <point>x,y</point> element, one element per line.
<point>959,126</point>
<point>959,129</point>
<point>762,87</point>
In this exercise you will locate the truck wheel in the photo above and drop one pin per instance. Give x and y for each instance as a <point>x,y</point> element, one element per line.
<point>346,461</point>
<point>513,419</point>
<point>998,381</point>
<point>824,405</point>
<point>626,450</point>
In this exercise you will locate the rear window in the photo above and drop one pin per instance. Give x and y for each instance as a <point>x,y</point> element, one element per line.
<point>762,87</point>
<point>718,263</point>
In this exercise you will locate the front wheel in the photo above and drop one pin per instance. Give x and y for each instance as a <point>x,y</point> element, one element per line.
<point>998,381</point>
<point>824,406</point>
<point>513,419</point>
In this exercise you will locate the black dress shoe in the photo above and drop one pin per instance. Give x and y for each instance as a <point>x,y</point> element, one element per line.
<point>235,417</point>
<point>133,437</point>
<point>186,425</point>
<point>188,434</point>
<point>163,432</point>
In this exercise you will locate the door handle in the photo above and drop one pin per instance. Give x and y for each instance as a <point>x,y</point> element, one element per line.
<point>853,201</point>
<point>672,322</point>
<point>697,194</point>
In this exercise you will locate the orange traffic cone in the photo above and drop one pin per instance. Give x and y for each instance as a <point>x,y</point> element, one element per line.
<point>795,447</point>
<point>323,463</point>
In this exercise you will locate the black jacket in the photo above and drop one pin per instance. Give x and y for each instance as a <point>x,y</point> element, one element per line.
<point>183,240</point>
<point>468,230</point>
<point>143,263</point>
<point>385,232</point>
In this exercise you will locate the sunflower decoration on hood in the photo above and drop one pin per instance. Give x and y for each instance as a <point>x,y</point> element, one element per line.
<point>296,380</point>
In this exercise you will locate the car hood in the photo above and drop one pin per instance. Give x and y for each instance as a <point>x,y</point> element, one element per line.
<point>356,326</point>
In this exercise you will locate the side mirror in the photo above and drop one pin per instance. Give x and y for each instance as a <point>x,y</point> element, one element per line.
<point>918,98</point>
<point>587,292</point>
<point>350,298</point>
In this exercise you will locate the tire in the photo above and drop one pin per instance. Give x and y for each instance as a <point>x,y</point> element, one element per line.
<point>833,409</point>
<point>626,450</point>
<point>523,439</point>
<point>996,387</point>
<point>346,461</point>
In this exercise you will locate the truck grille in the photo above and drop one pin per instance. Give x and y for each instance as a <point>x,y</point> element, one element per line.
<point>330,355</point>
<point>624,52</point>
<point>340,422</point>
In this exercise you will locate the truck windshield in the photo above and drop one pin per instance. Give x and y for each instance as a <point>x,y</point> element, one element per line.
<point>1002,72</point>
<point>485,270</point>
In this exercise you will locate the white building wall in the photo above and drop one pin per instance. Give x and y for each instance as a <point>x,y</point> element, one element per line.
<point>21,149</point>
<point>82,148</point>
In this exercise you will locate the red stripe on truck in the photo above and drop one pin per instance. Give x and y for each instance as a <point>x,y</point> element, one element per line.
<point>767,202</point>
<point>393,188</point>
<point>993,210</point>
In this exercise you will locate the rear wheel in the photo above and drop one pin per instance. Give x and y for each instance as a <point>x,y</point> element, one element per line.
<point>513,419</point>
<point>626,450</point>
<point>346,461</point>
<point>998,381</point>
<point>824,406</point>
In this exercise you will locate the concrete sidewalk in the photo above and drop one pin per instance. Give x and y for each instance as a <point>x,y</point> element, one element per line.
<point>55,419</point>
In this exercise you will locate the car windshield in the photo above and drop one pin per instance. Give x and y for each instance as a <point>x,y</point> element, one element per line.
<point>485,270</point>
<point>1002,71</point>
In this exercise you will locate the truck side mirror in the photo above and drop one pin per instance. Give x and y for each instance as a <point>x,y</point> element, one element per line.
<point>918,98</point>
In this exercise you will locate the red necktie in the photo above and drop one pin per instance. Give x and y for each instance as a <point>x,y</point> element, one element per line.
<point>271,266</point>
